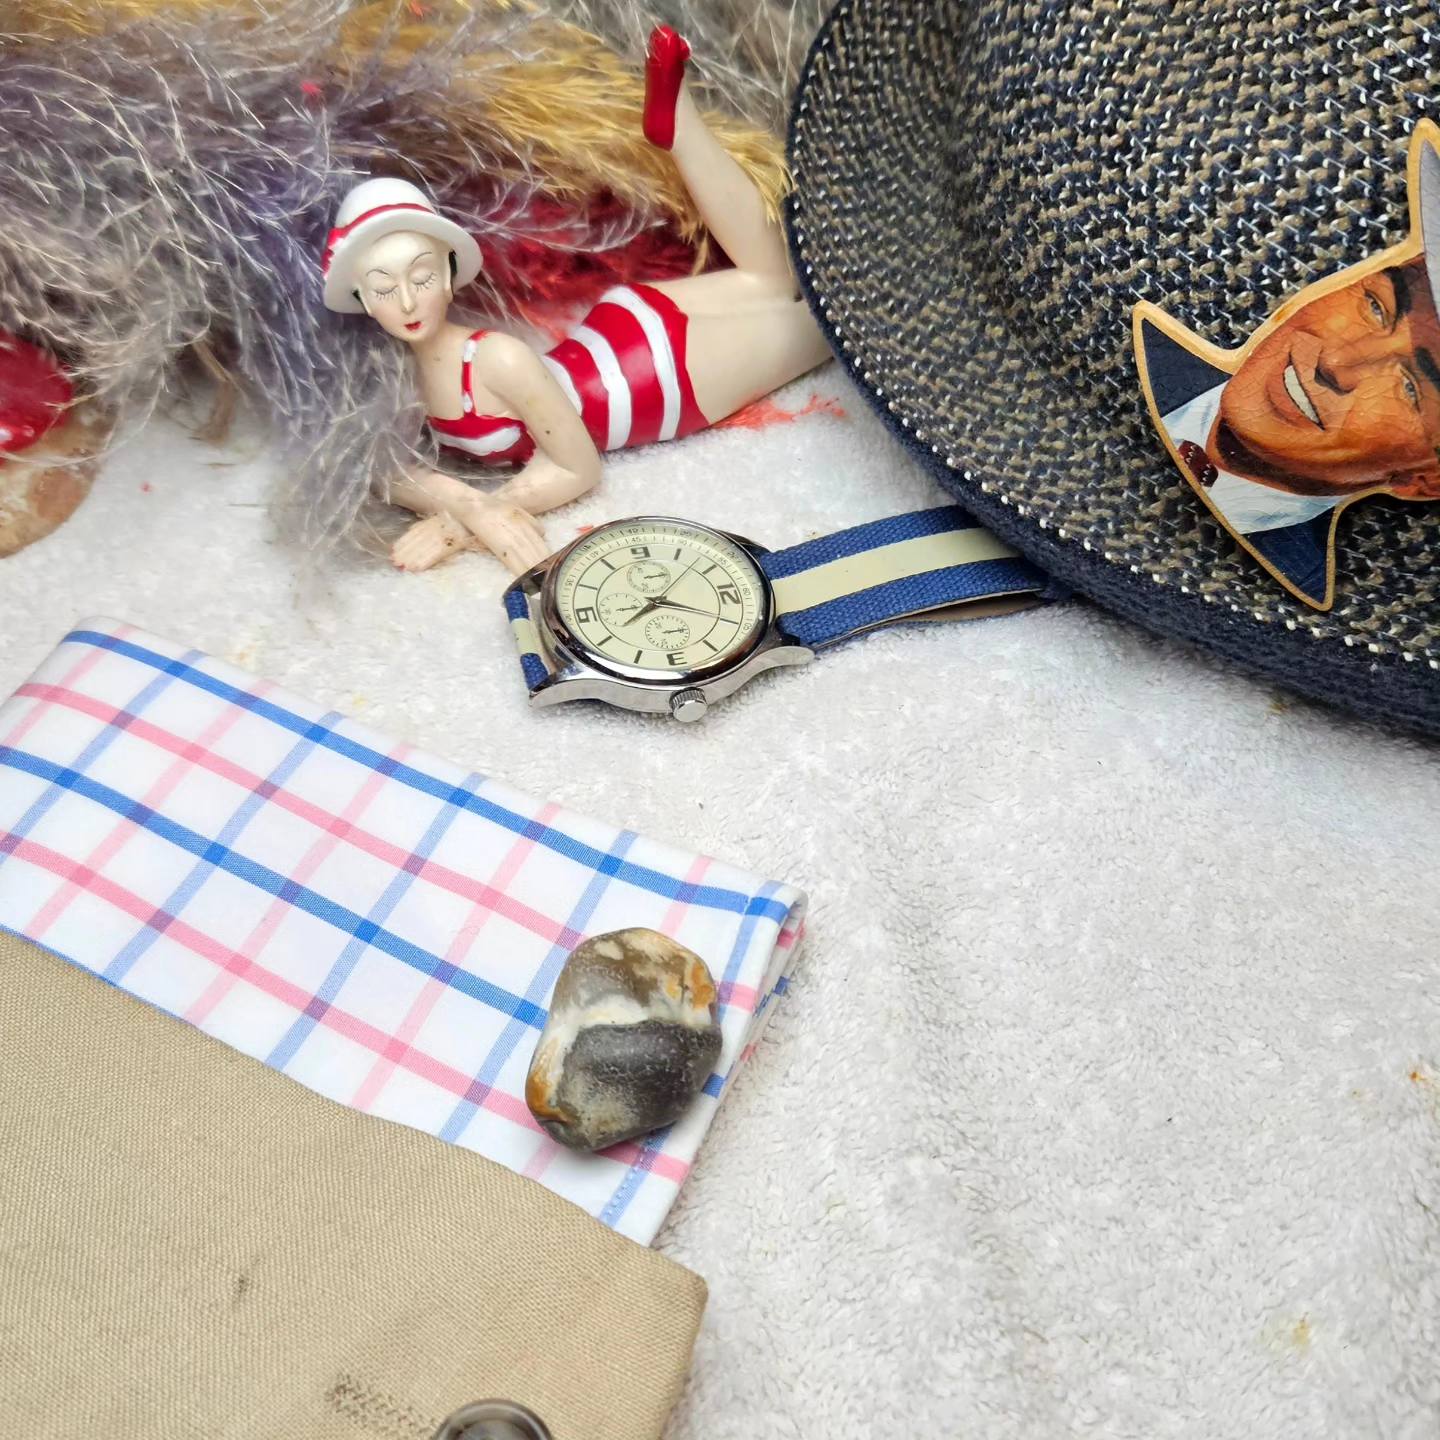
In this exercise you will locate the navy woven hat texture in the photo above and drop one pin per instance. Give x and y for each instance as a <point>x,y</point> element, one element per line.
<point>983,191</point>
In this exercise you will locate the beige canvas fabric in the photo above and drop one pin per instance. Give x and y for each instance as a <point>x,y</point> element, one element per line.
<point>194,1245</point>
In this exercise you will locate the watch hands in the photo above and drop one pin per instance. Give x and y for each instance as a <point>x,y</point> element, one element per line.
<point>644,610</point>
<point>664,602</point>
<point>690,609</point>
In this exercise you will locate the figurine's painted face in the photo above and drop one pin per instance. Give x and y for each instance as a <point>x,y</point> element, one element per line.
<point>405,284</point>
<point>1344,395</point>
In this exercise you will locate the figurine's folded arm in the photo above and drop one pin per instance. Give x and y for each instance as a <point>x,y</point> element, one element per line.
<point>566,463</point>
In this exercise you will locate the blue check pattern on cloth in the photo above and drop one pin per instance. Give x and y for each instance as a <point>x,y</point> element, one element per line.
<point>377,923</point>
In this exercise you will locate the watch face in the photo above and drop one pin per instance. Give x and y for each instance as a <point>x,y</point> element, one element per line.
<point>658,599</point>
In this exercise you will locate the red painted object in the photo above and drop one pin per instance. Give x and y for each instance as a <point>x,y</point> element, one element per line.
<point>34,394</point>
<point>664,70</point>
<point>545,266</point>
<point>626,377</point>
<point>764,412</point>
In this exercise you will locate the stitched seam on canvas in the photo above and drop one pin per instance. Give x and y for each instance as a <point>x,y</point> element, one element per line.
<point>377,1412</point>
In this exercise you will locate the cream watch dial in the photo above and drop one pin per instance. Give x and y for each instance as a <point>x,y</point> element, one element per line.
<point>659,598</point>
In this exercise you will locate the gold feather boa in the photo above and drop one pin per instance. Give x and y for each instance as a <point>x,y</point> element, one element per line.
<point>569,114</point>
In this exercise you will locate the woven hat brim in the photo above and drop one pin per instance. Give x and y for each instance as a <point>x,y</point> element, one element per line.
<point>938,348</point>
<point>341,281</point>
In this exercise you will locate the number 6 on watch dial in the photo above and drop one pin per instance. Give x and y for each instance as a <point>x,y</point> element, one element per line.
<point>656,596</point>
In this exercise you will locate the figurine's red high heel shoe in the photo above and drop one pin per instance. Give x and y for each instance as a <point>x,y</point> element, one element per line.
<point>664,70</point>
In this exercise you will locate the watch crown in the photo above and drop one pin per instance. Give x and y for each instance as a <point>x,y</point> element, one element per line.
<point>688,705</point>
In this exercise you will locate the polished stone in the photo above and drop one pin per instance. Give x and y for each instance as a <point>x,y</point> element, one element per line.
<point>631,1037</point>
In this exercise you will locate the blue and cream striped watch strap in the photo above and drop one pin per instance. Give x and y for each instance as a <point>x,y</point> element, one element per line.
<point>892,569</point>
<point>527,637</point>
<point>922,565</point>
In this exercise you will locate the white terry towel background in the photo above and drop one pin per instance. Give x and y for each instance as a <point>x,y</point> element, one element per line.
<point>1106,1100</point>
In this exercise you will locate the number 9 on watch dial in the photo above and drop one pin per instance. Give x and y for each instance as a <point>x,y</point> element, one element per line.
<point>658,599</point>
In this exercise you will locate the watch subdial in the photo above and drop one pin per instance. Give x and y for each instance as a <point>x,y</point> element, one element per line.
<point>649,577</point>
<point>667,632</point>
<point>619,609</point>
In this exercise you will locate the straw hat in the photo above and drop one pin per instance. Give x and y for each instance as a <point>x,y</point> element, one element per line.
<point>984,191</point>
<point>376,208</point>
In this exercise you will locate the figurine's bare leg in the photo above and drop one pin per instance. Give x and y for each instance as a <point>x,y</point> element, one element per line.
<point>729,202</point>
<point>733,360</point>
<point>749,332</point>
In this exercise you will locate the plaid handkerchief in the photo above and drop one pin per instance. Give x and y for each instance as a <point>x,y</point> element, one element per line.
<point>374,922</point>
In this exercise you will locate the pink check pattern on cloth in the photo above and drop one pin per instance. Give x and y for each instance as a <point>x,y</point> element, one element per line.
<point>376,923</point>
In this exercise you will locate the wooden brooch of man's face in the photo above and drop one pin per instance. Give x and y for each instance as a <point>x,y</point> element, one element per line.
<point>1335,397</point>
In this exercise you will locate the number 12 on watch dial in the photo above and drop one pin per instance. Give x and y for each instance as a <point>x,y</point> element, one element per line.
<point>659,598</point>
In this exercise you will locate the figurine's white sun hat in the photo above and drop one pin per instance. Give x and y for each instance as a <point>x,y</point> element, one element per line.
<point>380,207</point>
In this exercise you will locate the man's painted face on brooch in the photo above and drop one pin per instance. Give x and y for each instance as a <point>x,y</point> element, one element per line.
<point>1344,395</point>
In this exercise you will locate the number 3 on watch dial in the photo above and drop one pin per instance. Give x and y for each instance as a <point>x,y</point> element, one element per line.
<point>658,599</point>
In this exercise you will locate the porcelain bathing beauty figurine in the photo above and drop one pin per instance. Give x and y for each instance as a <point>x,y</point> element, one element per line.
<point>649,362</point>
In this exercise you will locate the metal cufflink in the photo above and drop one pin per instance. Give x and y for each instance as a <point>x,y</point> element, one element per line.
<point>493,1420</point>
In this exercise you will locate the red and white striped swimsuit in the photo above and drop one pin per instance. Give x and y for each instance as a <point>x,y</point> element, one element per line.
<point>623,369</point>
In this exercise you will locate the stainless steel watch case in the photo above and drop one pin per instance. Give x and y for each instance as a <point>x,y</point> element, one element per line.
<point>686,695</point>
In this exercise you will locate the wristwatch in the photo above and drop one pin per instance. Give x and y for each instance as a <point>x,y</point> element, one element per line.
<point>667,616</point>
